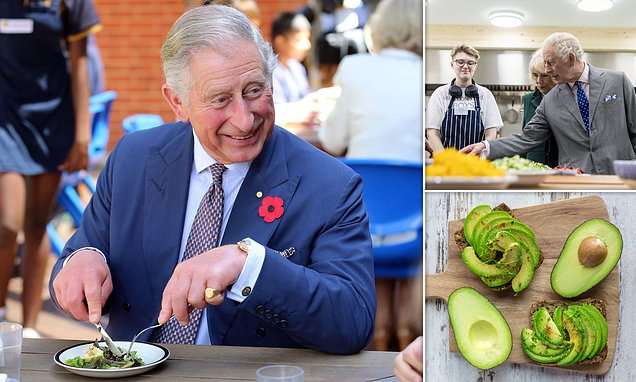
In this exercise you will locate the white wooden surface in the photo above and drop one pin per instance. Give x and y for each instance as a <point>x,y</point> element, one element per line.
<point>442,365</point>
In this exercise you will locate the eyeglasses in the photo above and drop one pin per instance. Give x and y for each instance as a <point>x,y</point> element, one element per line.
<point>464,62</point>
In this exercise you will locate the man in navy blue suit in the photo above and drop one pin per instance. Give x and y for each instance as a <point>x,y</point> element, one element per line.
<point>303,274</point>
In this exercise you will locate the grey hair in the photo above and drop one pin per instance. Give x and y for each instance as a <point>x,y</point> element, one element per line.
<point>536,62</point>
<point>397,24</point>
<point>215,27</point>
<point>565,43</point>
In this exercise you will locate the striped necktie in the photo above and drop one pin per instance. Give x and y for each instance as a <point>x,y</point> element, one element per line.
<point>584,105</point>
<point>204,235</point>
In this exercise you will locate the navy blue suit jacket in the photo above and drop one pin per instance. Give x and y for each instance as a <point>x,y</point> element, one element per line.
<point>322,297</point>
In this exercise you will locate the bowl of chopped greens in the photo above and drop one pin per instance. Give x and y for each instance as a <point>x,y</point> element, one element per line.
<point>93,359</point>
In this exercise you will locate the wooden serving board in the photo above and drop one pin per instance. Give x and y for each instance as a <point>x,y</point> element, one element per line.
<point>552,223</point>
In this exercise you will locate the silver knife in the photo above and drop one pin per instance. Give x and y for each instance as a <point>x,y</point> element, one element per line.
<point>113,348</point>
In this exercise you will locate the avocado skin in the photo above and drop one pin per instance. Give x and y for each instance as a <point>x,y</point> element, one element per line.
<point>466,307</point>
<point>471,221</point>
<point>569,278</point>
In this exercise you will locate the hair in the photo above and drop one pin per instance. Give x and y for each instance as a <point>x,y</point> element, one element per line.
<point>288,22</point>
<point>536,62</point>
<point>397,24</point>
<point>565,43</point>
<point>210,27</point>
<point>469,50</point>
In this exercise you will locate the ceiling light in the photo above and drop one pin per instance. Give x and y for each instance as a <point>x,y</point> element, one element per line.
<point>506,19</point>
<point>594,5</point>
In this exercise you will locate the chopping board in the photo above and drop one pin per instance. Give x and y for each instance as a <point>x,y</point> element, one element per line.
<point>552,223</point>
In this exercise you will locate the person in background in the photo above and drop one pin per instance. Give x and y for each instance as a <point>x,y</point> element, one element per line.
<point>295,106</point>
<point>44,129</point>
<point>243,229</point>
<point>408,365</point>
<point>591,113</point>
<point>379,115</point>
<point>548,152</point>
<point>462,112</point>
<point>95,66</point>
<point>291,34</point>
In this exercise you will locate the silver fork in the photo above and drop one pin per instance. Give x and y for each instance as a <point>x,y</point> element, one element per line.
<point>144,330</point>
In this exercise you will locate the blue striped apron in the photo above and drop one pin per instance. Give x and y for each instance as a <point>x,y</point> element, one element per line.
<point>459,131</point>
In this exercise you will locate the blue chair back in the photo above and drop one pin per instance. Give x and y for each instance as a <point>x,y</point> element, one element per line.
<point>393,194</point>
<point>100,105</point>
<point>141,122</point>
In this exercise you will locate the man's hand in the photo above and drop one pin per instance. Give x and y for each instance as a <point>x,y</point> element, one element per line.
<point>214,269</point>
<point>83,286</point>
<point>475,148</point>
<point>408,364</point>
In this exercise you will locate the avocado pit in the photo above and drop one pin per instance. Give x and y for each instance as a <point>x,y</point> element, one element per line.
<point>592,251</point>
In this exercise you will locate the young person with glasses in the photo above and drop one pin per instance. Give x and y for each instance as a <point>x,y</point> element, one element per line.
<point>461,113</point>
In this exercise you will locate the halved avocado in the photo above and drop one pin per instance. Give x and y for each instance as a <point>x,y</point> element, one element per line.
<point>545,328</point>
<point>471,221</point>
<point>576,333</point>
<point>509,263</point>
<point>482,334</point>
<point>538,351</point>
<point>594,239</point>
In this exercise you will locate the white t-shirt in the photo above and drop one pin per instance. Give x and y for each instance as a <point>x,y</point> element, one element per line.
<point>438,105</point>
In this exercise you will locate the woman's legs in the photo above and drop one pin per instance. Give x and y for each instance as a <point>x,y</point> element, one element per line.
<point>41,190</point>
<point>12,197</point>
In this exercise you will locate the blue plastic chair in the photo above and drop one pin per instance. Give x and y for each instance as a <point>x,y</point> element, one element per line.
<point>393,193</point>
<point>68,197</point>
<point>141,122</point>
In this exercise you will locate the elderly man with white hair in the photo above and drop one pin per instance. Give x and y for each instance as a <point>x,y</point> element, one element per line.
<point>591,113</point>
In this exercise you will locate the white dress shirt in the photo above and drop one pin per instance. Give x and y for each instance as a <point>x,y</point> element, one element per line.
<point>200,180</point>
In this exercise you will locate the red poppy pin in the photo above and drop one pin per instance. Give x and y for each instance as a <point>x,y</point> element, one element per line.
<point>271,208</point>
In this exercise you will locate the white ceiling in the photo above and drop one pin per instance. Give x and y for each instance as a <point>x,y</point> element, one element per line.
<point>537,13</point>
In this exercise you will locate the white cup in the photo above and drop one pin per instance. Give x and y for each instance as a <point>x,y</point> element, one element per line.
<point>280,373</point>
<point>10,349</point>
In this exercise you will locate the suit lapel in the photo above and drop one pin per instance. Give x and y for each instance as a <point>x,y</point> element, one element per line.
<point>166,194</point>
<point>568,102</point>
<point>269,175</point>
<point>597,85</point>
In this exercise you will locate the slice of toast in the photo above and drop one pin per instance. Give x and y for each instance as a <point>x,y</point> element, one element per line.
<point>460,240</point>
<point>552,304</point>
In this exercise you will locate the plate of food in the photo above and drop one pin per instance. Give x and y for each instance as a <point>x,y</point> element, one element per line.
<point>469,182</point>
<point>526,178</point>
<point>93,359</point>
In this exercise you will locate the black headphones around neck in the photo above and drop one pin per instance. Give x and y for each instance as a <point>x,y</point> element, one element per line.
<point>456,92</point>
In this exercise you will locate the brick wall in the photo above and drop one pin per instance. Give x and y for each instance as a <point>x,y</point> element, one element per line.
<point>130,42</point>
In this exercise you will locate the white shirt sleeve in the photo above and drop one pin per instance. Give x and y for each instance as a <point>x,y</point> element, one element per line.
<point>489,110</point>
<point>249,274</point>
<point>436,108</point>
<point>334,134</point>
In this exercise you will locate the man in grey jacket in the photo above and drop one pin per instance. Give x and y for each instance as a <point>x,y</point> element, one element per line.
<point>591,113</point>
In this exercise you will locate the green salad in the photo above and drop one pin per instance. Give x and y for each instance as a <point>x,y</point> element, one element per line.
<point>518,163</point>
<point>98,357</point>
